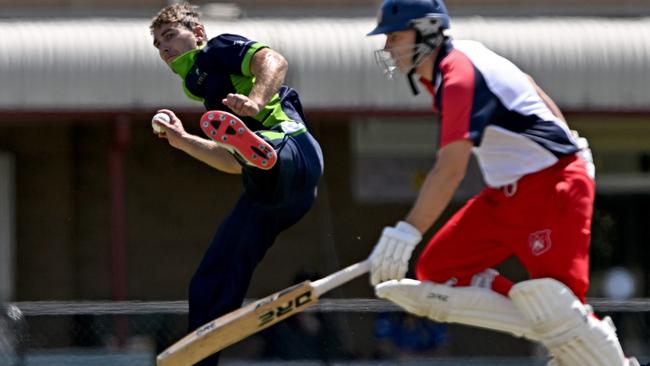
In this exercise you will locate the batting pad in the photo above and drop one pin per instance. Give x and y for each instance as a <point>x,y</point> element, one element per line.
<point>478,307</point>
<point>566,326</point>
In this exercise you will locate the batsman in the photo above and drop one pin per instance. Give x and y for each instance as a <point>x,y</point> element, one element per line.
<point>255,127</point>
<point>537,205</point>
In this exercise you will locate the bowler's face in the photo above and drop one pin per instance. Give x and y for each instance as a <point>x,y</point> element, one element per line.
<point>401,45</point>
<point>173,40</point>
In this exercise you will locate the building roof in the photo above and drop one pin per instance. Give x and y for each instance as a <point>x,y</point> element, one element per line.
<point>88,64</point>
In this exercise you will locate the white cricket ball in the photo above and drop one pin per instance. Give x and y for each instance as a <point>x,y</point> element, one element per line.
<point>161,117</point>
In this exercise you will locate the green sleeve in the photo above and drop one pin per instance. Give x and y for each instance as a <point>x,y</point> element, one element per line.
<point>246,63</point>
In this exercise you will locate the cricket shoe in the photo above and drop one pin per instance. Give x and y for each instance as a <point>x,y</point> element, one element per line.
<point>231,132</point>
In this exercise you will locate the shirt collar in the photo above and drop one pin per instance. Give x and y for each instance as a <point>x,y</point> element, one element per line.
<point>432,86</point>
<point>445,48</point>
<point>183,63</point>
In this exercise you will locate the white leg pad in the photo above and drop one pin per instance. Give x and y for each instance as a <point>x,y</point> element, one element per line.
<point>566,326</point>
<point>479,307</point>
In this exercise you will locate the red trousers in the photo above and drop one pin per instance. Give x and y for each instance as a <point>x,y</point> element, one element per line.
<point>544,220</point>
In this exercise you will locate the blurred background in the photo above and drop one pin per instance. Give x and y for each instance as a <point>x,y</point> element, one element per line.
<point>102,224</point>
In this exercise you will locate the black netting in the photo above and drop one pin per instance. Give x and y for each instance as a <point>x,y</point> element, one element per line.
<point>346,332</point>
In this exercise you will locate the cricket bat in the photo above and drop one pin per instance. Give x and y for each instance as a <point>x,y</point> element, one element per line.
<point>251,318</point>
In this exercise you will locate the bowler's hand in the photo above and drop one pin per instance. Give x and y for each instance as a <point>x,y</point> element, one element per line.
<point>174,130</point>
<point>242,105</point>
<point>390,257</point>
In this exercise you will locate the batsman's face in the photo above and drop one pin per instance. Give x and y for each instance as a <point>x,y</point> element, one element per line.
<point>401,47</point>
<point>173,40</point>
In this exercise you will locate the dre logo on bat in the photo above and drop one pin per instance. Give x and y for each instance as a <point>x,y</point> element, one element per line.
<point>285,308</point>
<point>269,299</point>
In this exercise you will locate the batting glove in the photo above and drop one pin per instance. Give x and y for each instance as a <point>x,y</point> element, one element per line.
<point>390,257</point>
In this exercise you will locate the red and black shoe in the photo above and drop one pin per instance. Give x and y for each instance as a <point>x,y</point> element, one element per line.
<point>231,132</point>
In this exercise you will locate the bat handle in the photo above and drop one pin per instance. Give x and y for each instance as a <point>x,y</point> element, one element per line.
<point>339,278</point>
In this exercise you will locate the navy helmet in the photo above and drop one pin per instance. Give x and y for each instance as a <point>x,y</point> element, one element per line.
<point>399,15</point>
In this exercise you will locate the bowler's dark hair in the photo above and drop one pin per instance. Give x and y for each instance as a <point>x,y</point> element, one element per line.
<point>184,14</point>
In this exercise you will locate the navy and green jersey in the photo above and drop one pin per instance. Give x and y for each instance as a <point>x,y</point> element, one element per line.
<point>223,66</point>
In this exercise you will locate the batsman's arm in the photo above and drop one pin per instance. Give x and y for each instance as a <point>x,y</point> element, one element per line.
<point>547,100</point>
<point>440,184</point>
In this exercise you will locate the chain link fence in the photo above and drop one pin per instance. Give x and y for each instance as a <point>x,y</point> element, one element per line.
<point>334,332</point>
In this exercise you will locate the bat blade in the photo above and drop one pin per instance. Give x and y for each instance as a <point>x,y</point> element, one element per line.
<point>237,325</point>
<point>250,319</point>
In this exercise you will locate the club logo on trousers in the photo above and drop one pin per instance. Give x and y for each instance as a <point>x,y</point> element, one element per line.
<point>540,242</point>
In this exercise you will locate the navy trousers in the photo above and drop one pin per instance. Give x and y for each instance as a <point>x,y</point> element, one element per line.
<point>272,201</point>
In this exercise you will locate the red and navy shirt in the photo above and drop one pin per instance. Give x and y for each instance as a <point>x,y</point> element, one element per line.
<point>485,98</point>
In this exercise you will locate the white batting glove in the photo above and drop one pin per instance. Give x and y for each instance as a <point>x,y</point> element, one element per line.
<point>390,258</point>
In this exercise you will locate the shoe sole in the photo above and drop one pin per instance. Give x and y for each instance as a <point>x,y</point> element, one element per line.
<point>231,132</point>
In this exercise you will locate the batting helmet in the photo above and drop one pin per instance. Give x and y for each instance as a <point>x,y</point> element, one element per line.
<point>398,15</point>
